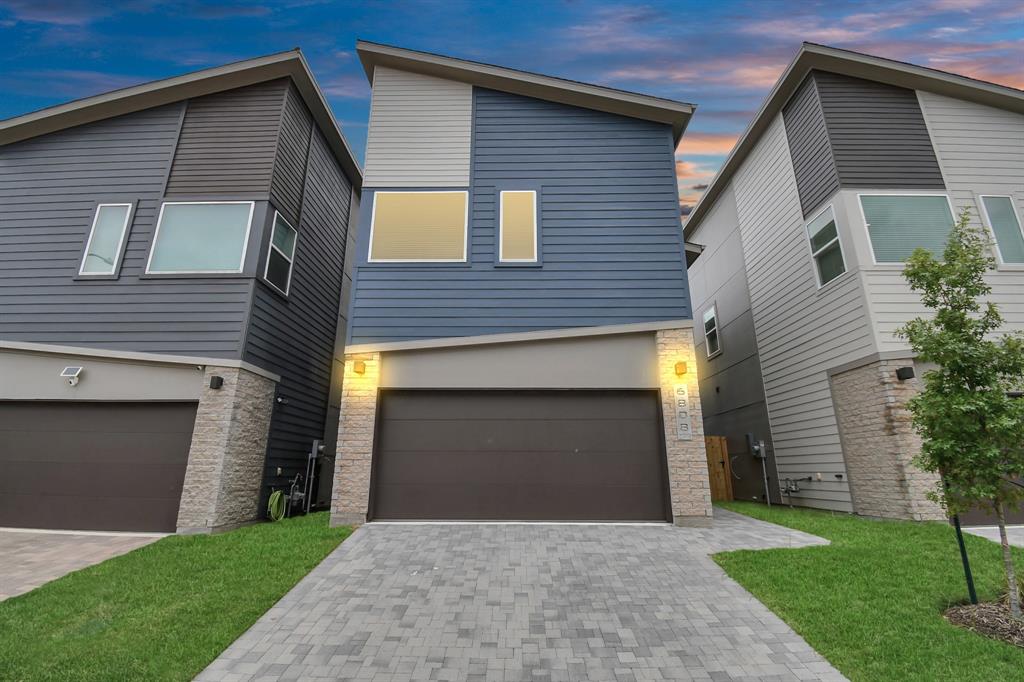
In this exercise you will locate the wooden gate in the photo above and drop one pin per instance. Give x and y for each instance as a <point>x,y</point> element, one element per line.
<point>719,471</point>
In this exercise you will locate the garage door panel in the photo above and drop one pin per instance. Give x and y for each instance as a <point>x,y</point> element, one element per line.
<point>562,455</point>
<point>93,465</point>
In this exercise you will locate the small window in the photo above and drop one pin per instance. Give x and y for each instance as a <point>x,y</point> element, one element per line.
<point>517,227</point>
<point>103,249</point>
<point>714,345</point>
<point>201,237</point>
<point>418,227</point>
<point>1002,220</point>
<point>826,250</point>
<point>899,224</point>
<point>280,254</point>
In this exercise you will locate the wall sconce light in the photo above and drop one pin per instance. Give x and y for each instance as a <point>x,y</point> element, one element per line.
<point>680,369</point>
<point>216,382</point>
<point>72,375</point>
<point>904,373</point>
<point>359,367</point>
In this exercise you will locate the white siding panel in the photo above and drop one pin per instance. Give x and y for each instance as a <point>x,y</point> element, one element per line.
<point>801,331</point>
<point>419,132</point>
<point>980,151</point>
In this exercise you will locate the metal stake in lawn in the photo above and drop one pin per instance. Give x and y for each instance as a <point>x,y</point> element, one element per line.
<point>963,554</point>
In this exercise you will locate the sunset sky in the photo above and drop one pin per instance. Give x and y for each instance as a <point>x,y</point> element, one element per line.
<point>723,56</point>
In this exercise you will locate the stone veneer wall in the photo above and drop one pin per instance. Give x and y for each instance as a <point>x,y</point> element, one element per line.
<point>689,485</point>
<point>353,461</point>
<point>879,442</point>
<point>228,451</point>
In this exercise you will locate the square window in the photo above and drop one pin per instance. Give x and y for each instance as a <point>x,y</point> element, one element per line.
<point>899,224</point>
<point>280,255</point>
<point>201,237</point>
<point>103,248</point>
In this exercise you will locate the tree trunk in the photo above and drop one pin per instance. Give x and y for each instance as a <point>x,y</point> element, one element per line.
<point>1011,578</point>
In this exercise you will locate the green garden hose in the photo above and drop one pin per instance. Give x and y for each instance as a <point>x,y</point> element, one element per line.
<point>275,506</point>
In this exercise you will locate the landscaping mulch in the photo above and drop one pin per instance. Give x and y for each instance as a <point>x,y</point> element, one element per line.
<point>991,619</point>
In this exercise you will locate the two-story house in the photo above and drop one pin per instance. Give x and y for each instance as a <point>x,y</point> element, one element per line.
<point>520,340</point>
<point>171,271</point>
<point>852,162</point>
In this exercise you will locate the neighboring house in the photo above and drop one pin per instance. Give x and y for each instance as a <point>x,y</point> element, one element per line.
<point>852,163</point>
<point>171,271</point>
<point>520,342</point>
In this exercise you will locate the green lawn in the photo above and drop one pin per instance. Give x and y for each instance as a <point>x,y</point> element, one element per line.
<point>871,602</point>
<point>162,612</point>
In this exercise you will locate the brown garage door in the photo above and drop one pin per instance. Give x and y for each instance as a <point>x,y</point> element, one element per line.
<point>529,455</point>
<point>93,466</point>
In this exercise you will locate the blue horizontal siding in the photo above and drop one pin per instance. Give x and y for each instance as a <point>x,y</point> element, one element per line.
<point>610,232</point>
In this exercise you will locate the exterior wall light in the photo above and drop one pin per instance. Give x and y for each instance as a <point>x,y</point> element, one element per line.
<point>359,367</point>
<point>680,369</point>
<point>216,382</point>
<point>72,375</point>
<point>904,373</point>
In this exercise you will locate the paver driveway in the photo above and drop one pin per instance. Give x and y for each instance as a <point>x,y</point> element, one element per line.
<point>528,602</point>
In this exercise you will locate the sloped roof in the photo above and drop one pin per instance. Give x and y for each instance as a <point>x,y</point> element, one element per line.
<point>196,84</point>
<point>858,65</point>
<point>611,100</point>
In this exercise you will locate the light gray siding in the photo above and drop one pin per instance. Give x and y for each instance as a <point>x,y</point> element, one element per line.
<point>49,187</point>
<point>801,331</point>
<point>610,233</point>
<point>731,390</point>
<point>815,169</point>
<point>877,134</point>
<point>419,134</point>
<point>228,142</point>
<point>981,151</point>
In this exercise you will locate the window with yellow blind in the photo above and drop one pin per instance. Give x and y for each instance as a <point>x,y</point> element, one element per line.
<point>517,230</point>
<point>419,227</point>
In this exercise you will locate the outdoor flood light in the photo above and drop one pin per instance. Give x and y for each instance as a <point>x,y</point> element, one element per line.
<point>904,373</point>
<point>359,367</point>
<point>216,382</point>
<point>72,374</point>
<point>680,369</point>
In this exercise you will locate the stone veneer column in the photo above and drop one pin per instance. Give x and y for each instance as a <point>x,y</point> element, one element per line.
<point>353,461</point>
<point>879,442</point>
<point>228,452</point>
<point>689,487</point>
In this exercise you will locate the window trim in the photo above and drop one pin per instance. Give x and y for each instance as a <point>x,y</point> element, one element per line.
<point>867,228</point>
<point>814,254</point>
<point>273,247</point>
<point>119,252</point>
<point>160,222</point>
<point>983,211</point>
<point>704,328</point>
<point>465,228</point>
<point>536,228</point>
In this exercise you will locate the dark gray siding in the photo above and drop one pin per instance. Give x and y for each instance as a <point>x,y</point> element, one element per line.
<point>228,142</point>
<point>878,134</point>
<point>610,232</point>
<point>290,166</point>
<point>48,190</point>
<point>295,336</point>
<point>815,170</point>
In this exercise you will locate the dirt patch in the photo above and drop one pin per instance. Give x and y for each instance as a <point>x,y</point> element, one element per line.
<point>990,619</point>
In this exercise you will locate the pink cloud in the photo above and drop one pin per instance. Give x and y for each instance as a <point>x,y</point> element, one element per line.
<point>706,144</point>
<point>745,71</point>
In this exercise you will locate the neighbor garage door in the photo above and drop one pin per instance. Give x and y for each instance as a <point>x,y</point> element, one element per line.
<point>93,466</point>
<point>530,455</point>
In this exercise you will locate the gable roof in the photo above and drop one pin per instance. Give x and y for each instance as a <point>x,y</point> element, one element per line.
<point>196,84</point>
<point>858,65</point>
<point>611,100</point>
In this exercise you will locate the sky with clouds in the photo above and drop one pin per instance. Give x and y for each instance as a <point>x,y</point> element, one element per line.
<point>724,55</point>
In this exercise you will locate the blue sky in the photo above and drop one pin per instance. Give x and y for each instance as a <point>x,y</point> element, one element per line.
<point>723,56</point>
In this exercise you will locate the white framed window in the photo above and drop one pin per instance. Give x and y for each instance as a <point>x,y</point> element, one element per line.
<point>105,244</point>
<point>826,248</point>
<point>197,237</point>
<point>897,224</point>
<point>517,226</point>
<point>280,255</point>
<point>419,227</point>
<point>713,343</point>
<point>1003,221</point>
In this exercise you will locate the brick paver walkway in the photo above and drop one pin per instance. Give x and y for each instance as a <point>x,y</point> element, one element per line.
<point>528,602</point>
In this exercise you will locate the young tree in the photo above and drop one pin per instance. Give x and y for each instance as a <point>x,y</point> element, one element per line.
<point>971,425</point>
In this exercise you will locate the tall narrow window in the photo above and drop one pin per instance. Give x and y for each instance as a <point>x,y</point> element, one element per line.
<point>714,344</point>
<point>280,255</point>
<point>1003,221</point>
<point>898,224</point>
<point>106,239</point>
<point>201,237</point>
<point>826,250</point>
<point>517,227</point>
<point>419,227</point>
